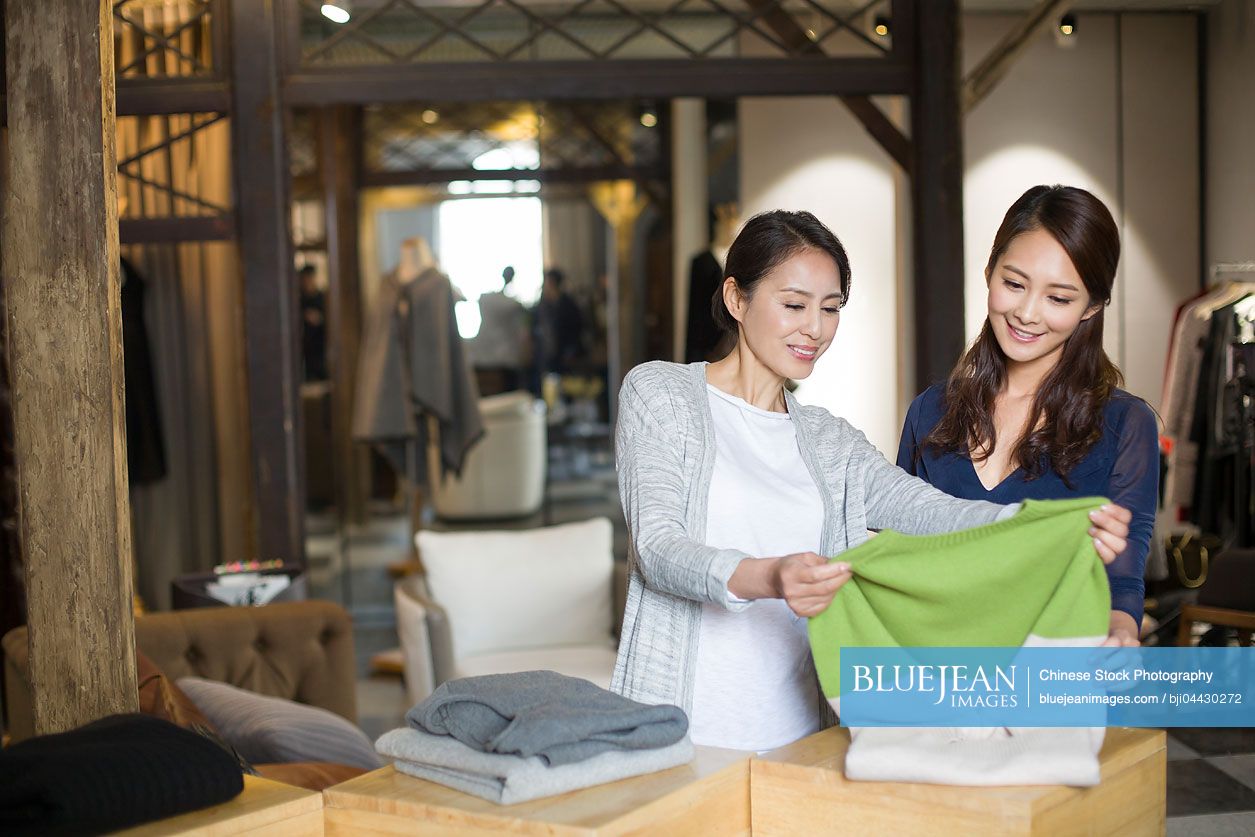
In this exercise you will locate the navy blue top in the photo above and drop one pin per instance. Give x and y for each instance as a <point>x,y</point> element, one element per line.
<point>1123,467</point>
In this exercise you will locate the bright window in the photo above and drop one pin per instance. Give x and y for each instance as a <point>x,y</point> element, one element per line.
<point>479,237</point>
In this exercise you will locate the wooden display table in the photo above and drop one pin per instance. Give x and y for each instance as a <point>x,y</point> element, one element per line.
<point>264,808</point>
<point>710,796</point>
<point>800,789</point>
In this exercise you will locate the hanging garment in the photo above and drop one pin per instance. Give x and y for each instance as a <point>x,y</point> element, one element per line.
<point>702,335</point>
<point>1033,579</point>
<point>1216,432</point>
<point>413,365</point>
<point>145,448</point>
<point>1181,387</point>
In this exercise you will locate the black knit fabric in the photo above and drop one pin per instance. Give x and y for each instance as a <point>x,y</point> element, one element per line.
<point>117,772</point>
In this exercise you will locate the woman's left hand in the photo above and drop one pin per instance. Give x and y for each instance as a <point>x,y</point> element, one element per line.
<point>1122,631</point>
<point>1110,530</point>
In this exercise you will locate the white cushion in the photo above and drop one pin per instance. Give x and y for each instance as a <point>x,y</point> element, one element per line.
<point>415,641</point>
<point>506,590</point>
<point>589,662</point>
<point>503,475</point>
<point>510,405</point>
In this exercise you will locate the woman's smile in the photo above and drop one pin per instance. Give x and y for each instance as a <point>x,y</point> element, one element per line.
<point>806,353</point>
<point>1021,335</point>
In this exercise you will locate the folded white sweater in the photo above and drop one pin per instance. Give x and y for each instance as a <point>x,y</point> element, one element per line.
<point>975,756</point>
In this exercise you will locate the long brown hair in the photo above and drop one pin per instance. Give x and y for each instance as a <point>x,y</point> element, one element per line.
<point>1066,418</point>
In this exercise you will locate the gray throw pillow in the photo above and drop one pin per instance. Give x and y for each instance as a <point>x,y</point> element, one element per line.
<point>272,730</point>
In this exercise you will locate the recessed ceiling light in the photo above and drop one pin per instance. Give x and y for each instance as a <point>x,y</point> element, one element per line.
<point>337,12</point>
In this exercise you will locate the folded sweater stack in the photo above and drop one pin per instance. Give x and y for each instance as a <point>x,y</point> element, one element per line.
<point>513,737</point>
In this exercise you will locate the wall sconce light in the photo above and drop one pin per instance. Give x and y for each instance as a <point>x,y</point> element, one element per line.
<point>336,12</point>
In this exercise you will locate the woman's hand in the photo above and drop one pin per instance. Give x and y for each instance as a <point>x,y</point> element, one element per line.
<point>1110,531</point>
<point>1122,631</point>
<point>807,582</point>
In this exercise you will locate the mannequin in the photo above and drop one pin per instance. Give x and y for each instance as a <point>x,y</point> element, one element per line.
<point>414,258</point>
<point>702,336</point>
<point>416,396</point>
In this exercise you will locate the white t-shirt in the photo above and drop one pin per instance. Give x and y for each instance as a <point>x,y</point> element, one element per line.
<point>755,683</point>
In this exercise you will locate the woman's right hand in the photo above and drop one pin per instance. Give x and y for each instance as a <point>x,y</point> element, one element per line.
<point>807,581</point>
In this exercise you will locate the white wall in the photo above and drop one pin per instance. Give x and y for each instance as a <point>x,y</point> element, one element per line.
<point>1231,132</point>
<point>1160,233</point>
<point>809,153</point>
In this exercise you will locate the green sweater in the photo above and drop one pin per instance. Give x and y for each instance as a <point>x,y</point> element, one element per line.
<point>1032,577</point>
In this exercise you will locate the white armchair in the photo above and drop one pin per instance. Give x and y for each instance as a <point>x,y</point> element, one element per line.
<point>503,475</point>
<point>502,601</point>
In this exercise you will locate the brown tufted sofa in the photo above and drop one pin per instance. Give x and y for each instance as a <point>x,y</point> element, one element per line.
<point>301,651</point>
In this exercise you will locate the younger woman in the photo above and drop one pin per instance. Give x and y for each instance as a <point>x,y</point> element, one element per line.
<point>1034,409</point>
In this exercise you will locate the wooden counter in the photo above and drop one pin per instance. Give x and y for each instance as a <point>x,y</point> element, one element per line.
<point>264,808</point>
<point>800,789</point>
<point>710,796</point>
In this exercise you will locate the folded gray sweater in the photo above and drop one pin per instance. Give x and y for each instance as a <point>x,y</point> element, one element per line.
<point>542,713</point>
<point>510,779</point>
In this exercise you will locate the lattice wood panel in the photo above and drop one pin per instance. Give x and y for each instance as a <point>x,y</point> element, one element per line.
<point>389,32</point>
<point>165,38</point>
<point>550,136</point>
<point>169,166</point>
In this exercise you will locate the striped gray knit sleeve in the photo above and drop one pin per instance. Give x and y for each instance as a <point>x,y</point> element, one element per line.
<point>653,490</point>
<point>898,501</point>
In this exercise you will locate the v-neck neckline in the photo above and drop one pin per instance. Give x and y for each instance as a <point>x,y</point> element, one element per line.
<point>971,464</point>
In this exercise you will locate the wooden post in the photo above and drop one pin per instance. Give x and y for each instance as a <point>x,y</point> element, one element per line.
<point>60,246</point>
<point>936,189</point>
<point>339,134</point>
<point>262,211</point>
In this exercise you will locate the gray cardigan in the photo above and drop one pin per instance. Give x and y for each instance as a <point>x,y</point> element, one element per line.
<point>664,452</point>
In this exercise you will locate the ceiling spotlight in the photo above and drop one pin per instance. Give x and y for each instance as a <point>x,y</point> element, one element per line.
<point>337,12</point>
<point>649,119</point>
<point>430,117</point>
<point>1067,24</point>
<point>880,25</point>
